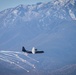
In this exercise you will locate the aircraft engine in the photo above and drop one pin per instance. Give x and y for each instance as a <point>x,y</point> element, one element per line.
<point>34,50</point>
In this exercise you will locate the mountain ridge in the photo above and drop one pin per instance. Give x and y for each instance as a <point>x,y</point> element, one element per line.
<point>41,18</point>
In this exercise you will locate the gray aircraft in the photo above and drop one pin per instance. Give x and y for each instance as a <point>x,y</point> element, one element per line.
<point>33,51</point>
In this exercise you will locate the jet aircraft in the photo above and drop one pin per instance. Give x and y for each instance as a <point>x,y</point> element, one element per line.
<point>33,51</point>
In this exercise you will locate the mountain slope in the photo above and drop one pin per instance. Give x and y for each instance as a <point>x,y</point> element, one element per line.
<point>34,20</point>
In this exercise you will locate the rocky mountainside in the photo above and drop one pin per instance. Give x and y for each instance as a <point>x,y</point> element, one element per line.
<point>25,23</point>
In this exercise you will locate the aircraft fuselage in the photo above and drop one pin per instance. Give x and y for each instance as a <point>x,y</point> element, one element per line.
<point>33,51</point>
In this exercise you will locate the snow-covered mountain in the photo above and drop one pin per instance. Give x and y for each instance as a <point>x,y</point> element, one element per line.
<point>49,26</point>
<point>41,11</point>
<point>16,23</point>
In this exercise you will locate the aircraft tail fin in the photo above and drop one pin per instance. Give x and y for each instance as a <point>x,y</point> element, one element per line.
<point>23,49</point>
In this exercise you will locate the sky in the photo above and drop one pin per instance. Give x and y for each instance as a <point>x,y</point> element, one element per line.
<point>4,4</point>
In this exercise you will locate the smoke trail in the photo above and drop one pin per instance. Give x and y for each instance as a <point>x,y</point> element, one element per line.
<point>14,64</point>
<point>13,52</point>
<point>14,58</point>
<point>25,61</point>
<point>33,59</point>
<point>22,54</point>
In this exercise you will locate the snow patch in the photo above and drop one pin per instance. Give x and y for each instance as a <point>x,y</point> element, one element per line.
<point>48,13</point>
<point>72,15</point>
<point>72,2</point>
<point>15,12</point>
<point>60,2</point>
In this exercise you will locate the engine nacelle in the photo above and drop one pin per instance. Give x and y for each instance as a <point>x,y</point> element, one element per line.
<point>34,50</point>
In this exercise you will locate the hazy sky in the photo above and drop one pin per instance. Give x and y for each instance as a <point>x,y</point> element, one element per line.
<point>4,4</point>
